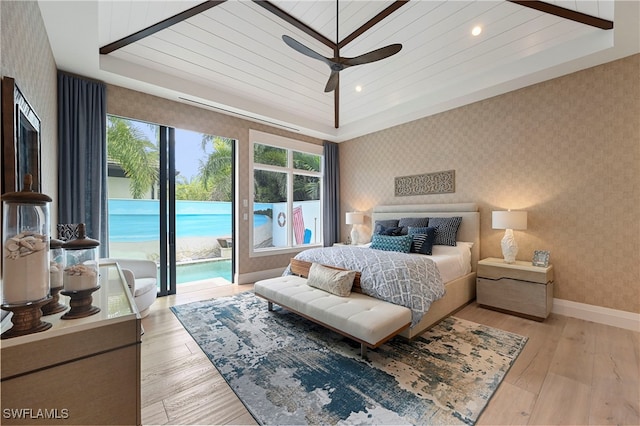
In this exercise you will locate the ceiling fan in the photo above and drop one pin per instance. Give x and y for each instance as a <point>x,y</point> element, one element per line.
<point>338,63</point>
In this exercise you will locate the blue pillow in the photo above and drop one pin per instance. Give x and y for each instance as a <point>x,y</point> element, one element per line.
<point>390,231</point>
<point>380,224</point>
<point>446,229</point>
<point>389,243</point>
<point>417,230</point>
<point>406,222</point>
<point>423,241</point>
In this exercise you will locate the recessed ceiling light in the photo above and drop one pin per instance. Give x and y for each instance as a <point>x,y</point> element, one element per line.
<point>476,30</point>
<point>358,88</point>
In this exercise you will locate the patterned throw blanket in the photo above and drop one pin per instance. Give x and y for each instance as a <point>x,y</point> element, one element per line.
<point>406,280</point>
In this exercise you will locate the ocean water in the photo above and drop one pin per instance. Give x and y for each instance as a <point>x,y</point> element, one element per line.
<point>139,220</point>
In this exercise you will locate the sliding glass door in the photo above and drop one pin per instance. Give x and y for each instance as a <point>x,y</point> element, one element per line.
<point>204,207</point>
<point>133,153</point>
<point>170,201</point>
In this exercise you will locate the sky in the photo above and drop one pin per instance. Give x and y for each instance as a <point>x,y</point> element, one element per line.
<point>188,151</point>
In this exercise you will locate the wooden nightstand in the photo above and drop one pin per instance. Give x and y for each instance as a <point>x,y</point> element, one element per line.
<point>517,288</point>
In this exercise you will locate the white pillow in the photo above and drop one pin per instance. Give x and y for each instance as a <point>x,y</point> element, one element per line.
<point>334,281</point>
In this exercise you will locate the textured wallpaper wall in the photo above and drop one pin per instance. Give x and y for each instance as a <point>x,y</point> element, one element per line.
<point>566,150</point>
<point>131,104</point>
<point>27,57</point>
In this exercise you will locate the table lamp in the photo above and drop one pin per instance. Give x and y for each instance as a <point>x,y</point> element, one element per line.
<point>509,220</point>
<point>355,219</point>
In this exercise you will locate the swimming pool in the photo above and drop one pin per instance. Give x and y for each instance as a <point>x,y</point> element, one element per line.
<point>203,270</point>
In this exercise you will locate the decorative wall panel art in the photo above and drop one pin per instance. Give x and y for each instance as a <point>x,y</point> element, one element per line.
<point>428,183</point>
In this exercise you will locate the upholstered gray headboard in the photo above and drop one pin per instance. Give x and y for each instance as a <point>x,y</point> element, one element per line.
<point>469,228</point>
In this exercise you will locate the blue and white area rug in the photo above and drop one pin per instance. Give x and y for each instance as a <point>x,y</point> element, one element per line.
<point>288,370</point>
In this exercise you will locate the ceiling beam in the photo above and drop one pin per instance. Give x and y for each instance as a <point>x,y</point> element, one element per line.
<point>562,12</point>
<point>146,32</point>
<point>366,26</point>
<point>295,22</point>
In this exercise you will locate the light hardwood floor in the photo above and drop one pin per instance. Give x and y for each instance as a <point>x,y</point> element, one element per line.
<point>570,371</point>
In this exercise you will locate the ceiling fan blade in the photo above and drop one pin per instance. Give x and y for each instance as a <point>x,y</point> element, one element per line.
<point>334,78</point>
<point>296,45</point>
<point>375,55</point>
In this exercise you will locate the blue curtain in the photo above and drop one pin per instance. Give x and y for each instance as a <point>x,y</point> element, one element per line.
<point>82,156</point>
<point>331,212</point>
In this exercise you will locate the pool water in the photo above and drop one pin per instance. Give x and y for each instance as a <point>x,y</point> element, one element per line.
<point>196,271</point>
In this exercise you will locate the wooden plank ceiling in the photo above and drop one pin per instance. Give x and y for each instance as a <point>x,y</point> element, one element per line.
<point>235,50</point>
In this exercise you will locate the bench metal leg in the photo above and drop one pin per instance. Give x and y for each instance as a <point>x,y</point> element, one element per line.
<point>270,306</point>
<point>363,351</point>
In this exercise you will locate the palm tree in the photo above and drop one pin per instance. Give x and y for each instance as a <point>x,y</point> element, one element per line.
<point>271,186</point>
<point>132,150</point>
<point>306,187</point>
<point>192,190</point>
<point>215,172</point>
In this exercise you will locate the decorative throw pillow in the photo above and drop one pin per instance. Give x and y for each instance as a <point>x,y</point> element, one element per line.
<point>334,281</point>
<point>383,224</point>
<point>417,230</point>
<point>390,231</point>
<point>446,229</point>
<point>389,243</point>
<point>406,222</point>
<point>423,241</point>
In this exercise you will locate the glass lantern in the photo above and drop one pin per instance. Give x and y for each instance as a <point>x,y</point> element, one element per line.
<point>57,263</point>
<point>25,246</point>
<point>81,270</point>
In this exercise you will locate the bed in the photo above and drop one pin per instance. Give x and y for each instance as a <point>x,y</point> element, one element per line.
<point>459,280</point>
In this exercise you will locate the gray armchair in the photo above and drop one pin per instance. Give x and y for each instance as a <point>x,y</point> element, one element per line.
<point>142,278</point>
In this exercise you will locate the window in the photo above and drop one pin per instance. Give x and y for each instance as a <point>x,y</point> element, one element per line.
<point>287,193</point>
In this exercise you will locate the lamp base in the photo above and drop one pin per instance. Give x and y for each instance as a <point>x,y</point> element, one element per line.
<point>354,235</point>
<point>509,247</point>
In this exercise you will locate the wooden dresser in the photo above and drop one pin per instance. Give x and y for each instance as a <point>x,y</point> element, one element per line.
<point>80,371</point>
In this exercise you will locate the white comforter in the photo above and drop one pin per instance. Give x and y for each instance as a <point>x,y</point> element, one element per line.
<point>408,280</point>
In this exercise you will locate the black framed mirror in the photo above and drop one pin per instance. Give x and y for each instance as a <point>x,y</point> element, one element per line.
<point>20,139</point>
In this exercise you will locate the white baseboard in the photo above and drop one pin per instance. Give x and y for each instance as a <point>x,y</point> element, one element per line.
<point>252,277</point>
<point>599,314</point>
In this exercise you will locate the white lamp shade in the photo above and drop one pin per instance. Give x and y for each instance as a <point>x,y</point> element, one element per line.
<point>354,218</point>
<point>509,220</point>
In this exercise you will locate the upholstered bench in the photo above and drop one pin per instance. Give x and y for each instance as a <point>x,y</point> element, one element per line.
<point>365,319</point>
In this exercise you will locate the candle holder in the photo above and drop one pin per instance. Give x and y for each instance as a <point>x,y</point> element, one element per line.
<point>80,277</point>
<point>56,268</point>
<point>54,306</point>
<point>26,318</point>
<point>81,303</point>
<point>25,259</point>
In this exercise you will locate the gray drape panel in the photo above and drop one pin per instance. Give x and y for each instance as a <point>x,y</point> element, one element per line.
<point>82,156</point>
<point>331,212</point>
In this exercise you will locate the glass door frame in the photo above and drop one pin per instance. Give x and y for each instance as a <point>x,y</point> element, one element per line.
<point>167,197</point>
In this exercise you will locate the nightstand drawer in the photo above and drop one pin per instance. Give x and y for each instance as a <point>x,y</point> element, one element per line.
<point>524,298</point>
<point>522,271</point>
